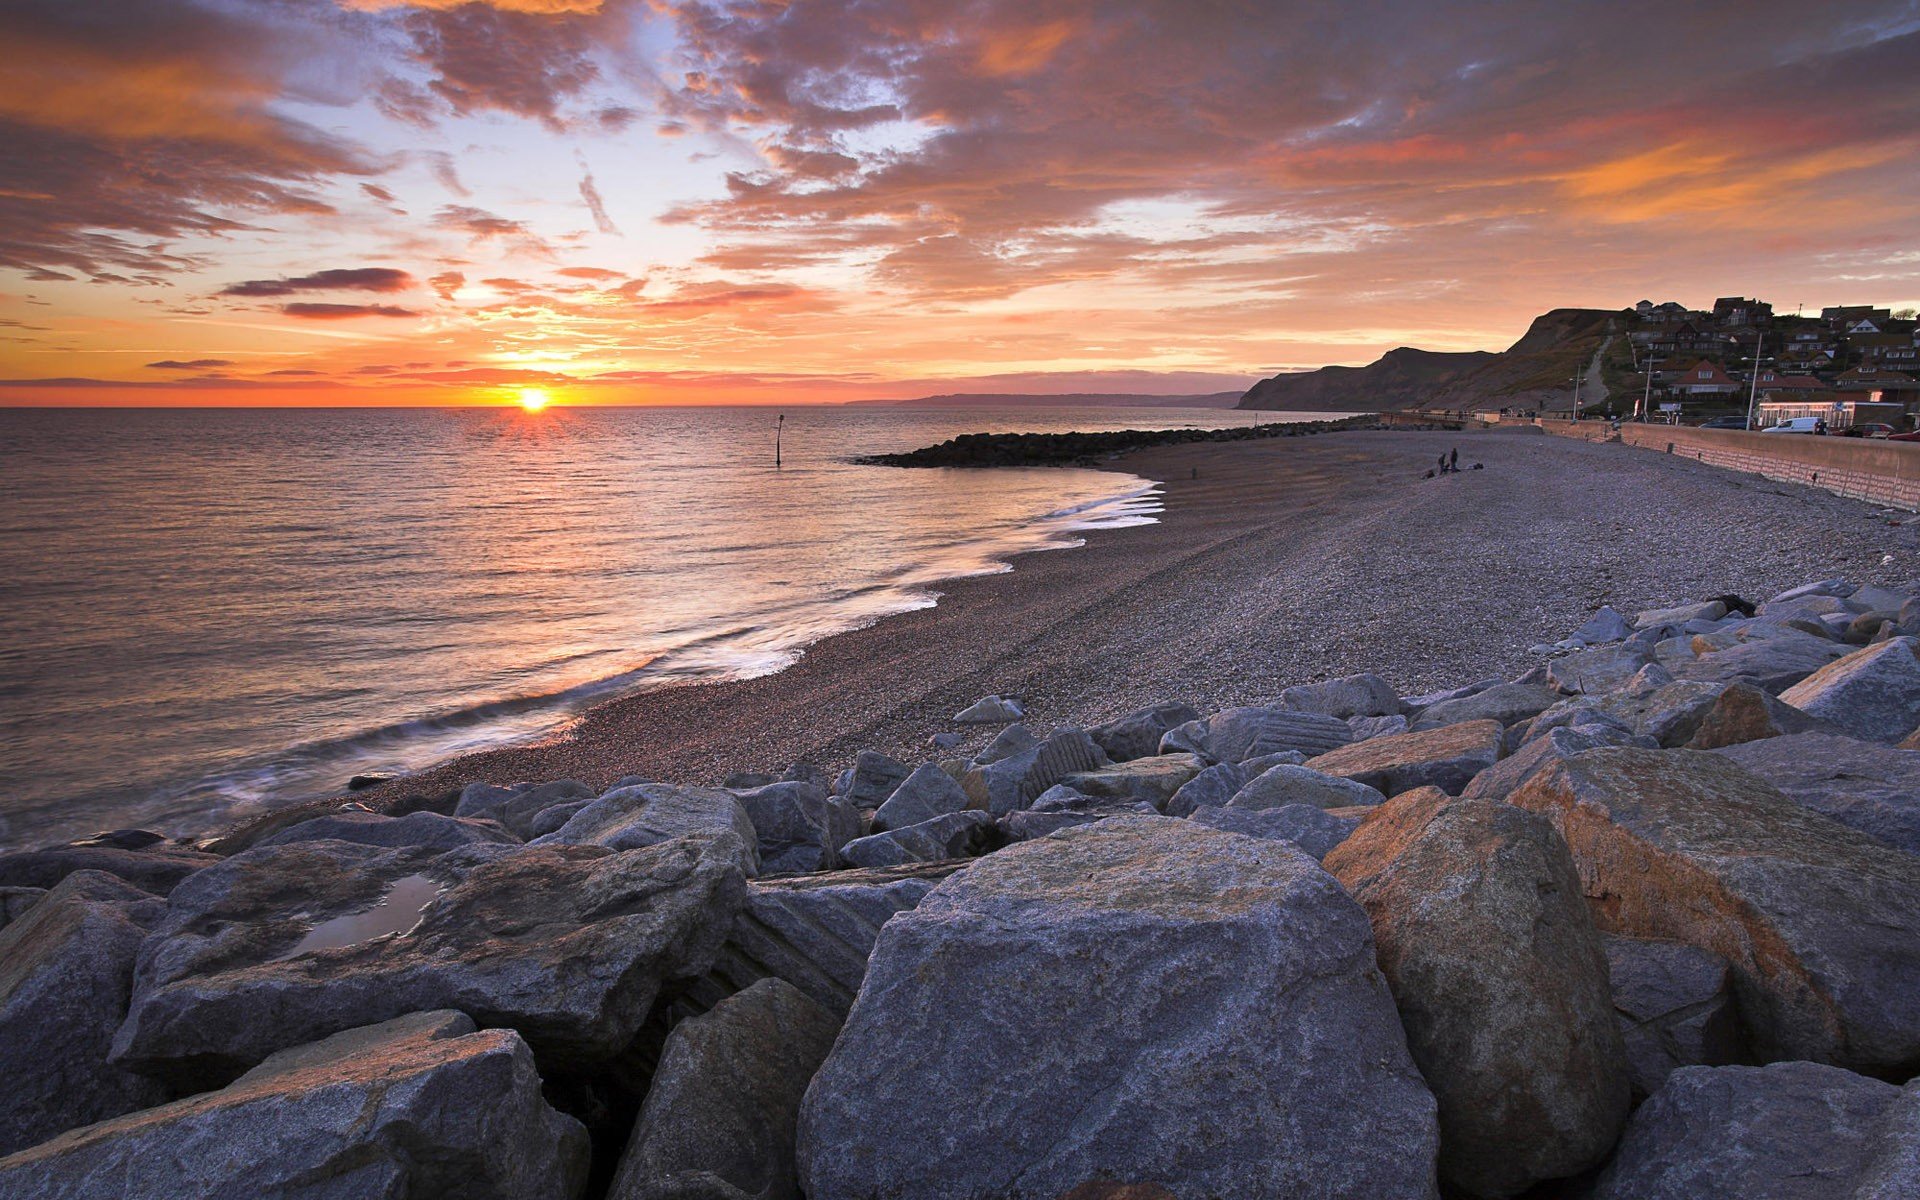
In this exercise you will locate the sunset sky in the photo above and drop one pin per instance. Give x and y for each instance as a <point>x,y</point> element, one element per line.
<point>637,201</point>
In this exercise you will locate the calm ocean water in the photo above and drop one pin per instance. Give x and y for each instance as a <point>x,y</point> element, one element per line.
<point>210,611</point>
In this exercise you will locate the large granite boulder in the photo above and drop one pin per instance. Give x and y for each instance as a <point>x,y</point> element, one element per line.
<point>873,779</point>
<point>949,835</point>
<point>16,902</point>
<point>1507,703</point>
<point>1211,788</point>
<point>567,944</point>
<point>1501,983</point>
<point>799,826</point>
<point>647,814</point>
<point>1872,694</point>
<point>927,793</point>
<point>1820,923</point>
<point>1771,663</point>
<point>719,1117</point>
<point>1675,1006</point>
<point>419,1106</point>
<point>156,867</point>
<point>376,829</point>
<point>1313,829</point>
<point>813,931</point>
<point>1140,1000</point>
<point>516,806</point>
<point>1286,784</point>
<point>1060,808</point>
<point>66,970</point>
<point>1354,696</point>
<point>1237,734</point>
<point>1447,758</point>
<point>990,710</point>
<point>1867,786</point>
<point>1789,1131</point>
<point>1138,734</point>
<point>1561,743</point>
<point>1013,782</point>
<point>1008,742</point>
<point>1600,670</point>
<point>1154,779</point>
<point>1680,614</point>
<point>1741,713</point>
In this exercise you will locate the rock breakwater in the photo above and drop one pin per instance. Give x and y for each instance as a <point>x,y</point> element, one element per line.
<point>1087,449</point>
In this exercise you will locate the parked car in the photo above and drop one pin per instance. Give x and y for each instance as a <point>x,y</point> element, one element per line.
<point>1904,437</point>
<point>1871,429</point>
<point>1794,425</point>
<point>1724,423</point>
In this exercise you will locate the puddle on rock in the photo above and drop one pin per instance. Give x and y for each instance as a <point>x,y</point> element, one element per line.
<point>398,913</point>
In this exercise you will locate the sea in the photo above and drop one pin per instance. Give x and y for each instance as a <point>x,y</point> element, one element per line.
<point>206,613</point>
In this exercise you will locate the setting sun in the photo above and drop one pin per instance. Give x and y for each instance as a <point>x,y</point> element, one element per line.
<point>534,399</point>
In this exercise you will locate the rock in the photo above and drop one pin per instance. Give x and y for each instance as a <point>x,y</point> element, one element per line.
<point>746,781</point>
<point>1603,626</point>
<point>945,741</point>
<point>1279,786</point>
<point>1838,588</point>
<point>1040,821</point>
<point>1447,758</point>
<point>1354,696</point>
<point>1373,727</point>
<point>1014,781</point>
<point>874,778</point>
<point>1417,703</point>
<point>1789,1131</point>
<point>1307,826</point>
<point>1506,703</point>
<point>553,818</point>
<point>1743,713</point>
<point>1501,983</point>
<point>284,944</point>
<point>419,1106</point>
<point>1005,744</point>
<point>1863,785</point>
<point>950,835</point>
<point>813,931</point>
<point>647,814</point>
<point>1820,923</point>
<point>1866,627</point>
<point>1709,610</point>
<point>990,710</point>
<point>1138,734</point>
<point>1153,779</point>
<point>518,806</point>
<point>1872,694</point>
<point>1772,664</point>
<point>1503,777</point>
<point>799,826</point>
<point>1211,788</point>
<point>17,902</point>
<point>1237,734</point>
<point>156,868</point>
<point>921,796</point>
<point>66,968</point>
<point>414,829</point>
<point>726,1096</point>
<point>1600,670</point>
<point>1675,1007</point>
<point>1070,1003</point>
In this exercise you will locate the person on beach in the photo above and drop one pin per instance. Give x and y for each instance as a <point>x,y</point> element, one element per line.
<point>1453,460</point>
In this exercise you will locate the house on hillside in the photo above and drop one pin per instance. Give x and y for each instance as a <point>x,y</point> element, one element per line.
<point>1840,316</point>
<point>1705,378</point>
<point>1738,310</point>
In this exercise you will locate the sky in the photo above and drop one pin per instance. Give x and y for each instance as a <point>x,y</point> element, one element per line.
<point>777,201</point>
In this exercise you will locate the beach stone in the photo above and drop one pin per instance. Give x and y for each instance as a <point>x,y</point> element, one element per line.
<point>1820,923</point>
<point>569,944</point>
<point>1503,777</point>
<point>921,796</point>
<point>1866,786</point>
<point>725,1099</point>
<point>1680,614</point>
<point>1873,597</point>
<point>647,814</point>
<point>66,970</point>
<point>1447,758</point>
<point>1232,987</point>
<point>522,804</point>
<point>1211,788</point>
<point>799,826</point>
<point>1501,983</point>
<point>1603,626</point>
<point>1307,826</point>
<point>1788,1131</point>
<point>1013,782</point>
<point>1599,670</point>
<point>950,835</point>
<point>990,710</point>
<point>1838,588</point>
<point>945,741</point>
<point>1154,779</point>
<point>874,778</point>
<point>1507,703</point>
<point>1872,694</point>
<point>1675,1007</point>
<point>813,931</point>
<point>1286,784</point>
<point>1867,626</point>
<point>1038,822</point>
<point>1417,703</point>
<point>156,867</point>
<point>1363,695</point>
<point>415,829</point>
<point>1008,742</point>
<point>1372,727</point>
<point>17,902</point>
<point>1772,664</point>
<point>554,818</point>
<point>419,1106</point>
<point>1138,734</point>
<point>1238,734</point>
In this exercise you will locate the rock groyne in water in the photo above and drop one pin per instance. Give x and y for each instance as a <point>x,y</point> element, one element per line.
<point>1645,918</point>
<point>1087,449</point>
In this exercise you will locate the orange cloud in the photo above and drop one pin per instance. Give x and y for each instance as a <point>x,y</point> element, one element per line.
<point>1022,51</point>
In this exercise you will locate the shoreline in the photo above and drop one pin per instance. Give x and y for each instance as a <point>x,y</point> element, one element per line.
<point>1274,562</point>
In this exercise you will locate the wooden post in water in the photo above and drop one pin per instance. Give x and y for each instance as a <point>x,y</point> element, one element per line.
<point>779,427</point>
